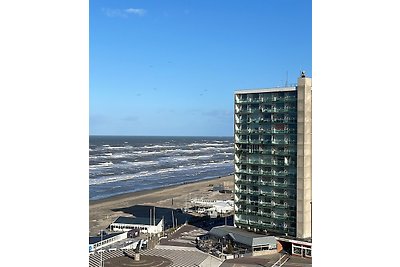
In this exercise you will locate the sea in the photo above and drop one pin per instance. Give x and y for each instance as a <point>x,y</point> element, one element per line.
<point>124,164</point>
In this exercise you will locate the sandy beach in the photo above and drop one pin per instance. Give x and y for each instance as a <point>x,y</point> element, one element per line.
<point>101,214</point>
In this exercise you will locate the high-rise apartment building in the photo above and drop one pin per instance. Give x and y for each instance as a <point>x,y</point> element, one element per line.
<point>273,160</point>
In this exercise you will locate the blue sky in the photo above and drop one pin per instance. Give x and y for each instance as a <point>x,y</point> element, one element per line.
<point>162,67</point>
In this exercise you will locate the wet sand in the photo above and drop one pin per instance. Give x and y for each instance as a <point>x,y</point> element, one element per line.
<point>101,214</point>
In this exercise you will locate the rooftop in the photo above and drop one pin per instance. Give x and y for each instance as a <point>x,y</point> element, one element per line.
<point>136,220</point>
<point>266,90</point>
<point>242,236</point>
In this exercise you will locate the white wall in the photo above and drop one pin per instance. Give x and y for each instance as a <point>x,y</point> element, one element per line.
<point>152,229</point>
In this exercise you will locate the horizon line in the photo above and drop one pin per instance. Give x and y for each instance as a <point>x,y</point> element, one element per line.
<point>119,135</point>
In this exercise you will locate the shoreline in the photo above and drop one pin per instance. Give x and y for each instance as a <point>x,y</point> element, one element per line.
<point>101,214</point>
<point>149,191</point>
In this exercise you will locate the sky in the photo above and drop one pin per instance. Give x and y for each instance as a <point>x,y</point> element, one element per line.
<point>170,68</point>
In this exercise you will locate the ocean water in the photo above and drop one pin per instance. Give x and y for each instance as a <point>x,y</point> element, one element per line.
<point>123,164</point>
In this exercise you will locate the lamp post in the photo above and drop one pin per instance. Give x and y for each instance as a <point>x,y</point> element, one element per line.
<point>101,252</point>
<point>311,217</point>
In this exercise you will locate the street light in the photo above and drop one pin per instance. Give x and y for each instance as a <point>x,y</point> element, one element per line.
<point>311,217</point>
<point>101,252</point>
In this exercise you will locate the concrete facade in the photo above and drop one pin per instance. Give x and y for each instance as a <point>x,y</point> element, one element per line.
<point>304,157</point>
<point>273,159</point>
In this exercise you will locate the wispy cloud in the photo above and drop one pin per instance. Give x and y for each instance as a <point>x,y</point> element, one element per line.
<point>124,13</point>
<point>136,11</point>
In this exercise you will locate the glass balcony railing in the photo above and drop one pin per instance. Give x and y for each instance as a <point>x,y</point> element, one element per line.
<point>280,174</point>
<point>246,192</point>
<point>240,121</point>
<point>246,212</point>
<point>281,120</point>
<point>265,99</point>
<point>275,131</point>
<point>243,222</point>
<point>254,151</point>
<point>248,101</point>
<point>242,131</point>
<point>265,204</point>
<point>276,99</point>
<point>242,111</point>
<point>281,142</point>
<point>290,98</point>
<point>246,203</point>
<point>284,152</point>
<point>246,182</point>
<point>266,193</point>
<point>280,194</point>
<point>274,194</point>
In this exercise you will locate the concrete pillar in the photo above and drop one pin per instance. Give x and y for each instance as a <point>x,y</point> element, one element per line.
<point>137,256</point>
<point>304,157</point>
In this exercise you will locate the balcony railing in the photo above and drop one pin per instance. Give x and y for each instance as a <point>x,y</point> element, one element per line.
<point>284,152</point>
<point>246,192</point>
<point>265,99</point>
<point>247,182</point>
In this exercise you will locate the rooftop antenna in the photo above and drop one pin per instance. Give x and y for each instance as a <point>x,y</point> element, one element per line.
<point>286,83</point>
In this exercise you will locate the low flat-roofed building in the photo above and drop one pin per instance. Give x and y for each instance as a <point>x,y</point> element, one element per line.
<point>254,243</point>
<point>97,242</point>
<point>218,206</point>
<point>144,225</point>
<point>299,247</point>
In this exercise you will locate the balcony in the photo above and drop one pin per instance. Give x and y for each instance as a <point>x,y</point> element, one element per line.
<point>248,101</point>
<point>284,152</point>
<point>279,110</point>
<point>284,131</point>
<point>247,192</point>
<point>245,172</point>
<point>280,194</point>
<point>241,140</point>
<point>250,141</point>
<point>279,142</point>
<point>242,111</point>
<point>277,99</point>
<point>266,99</point>
<point>240,202</point>
<point>242,131</point>
<point>242,222</point>
<point>255,151</point>
<point>240,121</point>
<point>280,174</point>
<point>281,206</point>
<point>290,98</point>
<point>281,217</point>
<point>258,162</point>
<point>265,204</point>
<point>247,182</point>
<point>247,213</point>
<point>269,183</point>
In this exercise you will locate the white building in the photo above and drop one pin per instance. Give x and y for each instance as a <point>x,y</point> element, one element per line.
<point>124,224</point>
<point>218,206</point>
<point>97,242</point>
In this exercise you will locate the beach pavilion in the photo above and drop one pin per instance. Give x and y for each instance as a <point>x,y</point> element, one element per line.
<point>252,243</point>
<point>144,225</point>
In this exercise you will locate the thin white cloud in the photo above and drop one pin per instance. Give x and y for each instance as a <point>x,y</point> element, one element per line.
<point>114,13</point>
<point>136,11</point>
<point>124,13</point>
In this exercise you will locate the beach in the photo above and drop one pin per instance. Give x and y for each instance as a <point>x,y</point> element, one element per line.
<point>101,214</point>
